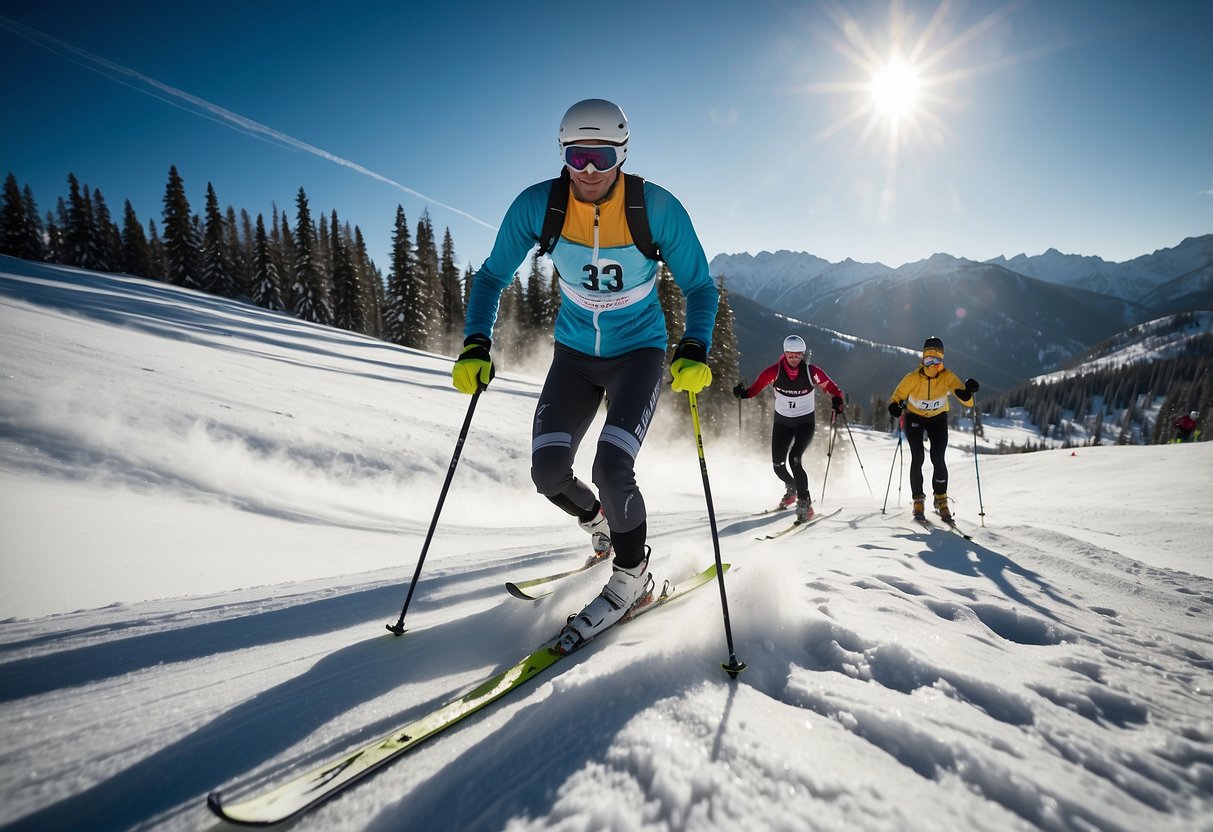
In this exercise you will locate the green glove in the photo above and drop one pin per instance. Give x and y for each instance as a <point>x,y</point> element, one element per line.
<point>473,369</point>
<point>690,367</point>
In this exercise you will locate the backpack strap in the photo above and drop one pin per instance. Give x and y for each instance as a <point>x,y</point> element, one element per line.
<point>553,217</point>
<point>638,216</point>
<point>633,205</point>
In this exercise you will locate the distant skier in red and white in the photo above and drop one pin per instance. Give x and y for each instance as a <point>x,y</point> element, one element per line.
<point>793,380</point>
<point>1185,426</point>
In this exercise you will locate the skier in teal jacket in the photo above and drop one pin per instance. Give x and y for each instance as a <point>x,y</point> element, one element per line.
<point>610,340</point>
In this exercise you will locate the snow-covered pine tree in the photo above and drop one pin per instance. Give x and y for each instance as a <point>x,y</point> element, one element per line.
<point>267,284</point>
<point>310,292</point>
<point>427,318</point>
<point>399,295</point>
<point>20,225</point>
<point>452,295</point>
<point>136,253</point>
<point>217,277</point>
<point>348,303</point>
<point>106,234</point>
<point>371,282</point>
<point>182,249</point>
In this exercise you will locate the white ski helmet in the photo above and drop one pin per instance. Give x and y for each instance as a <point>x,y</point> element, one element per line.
<point>1194,414</point>
<point>793,343</point>
<point>595,118</point>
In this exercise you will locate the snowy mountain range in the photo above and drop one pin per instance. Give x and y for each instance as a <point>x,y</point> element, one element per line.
<point>775,279</point>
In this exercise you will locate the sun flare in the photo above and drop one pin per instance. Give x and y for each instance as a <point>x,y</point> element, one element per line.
<point>894,89</point>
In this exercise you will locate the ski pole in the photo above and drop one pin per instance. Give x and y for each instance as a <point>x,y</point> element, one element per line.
<point>855,448</point>
<point>981,507</point>
<point>733,667</point>
<point>398,627</point>
<point>829,453</point>
<point>891,466</point>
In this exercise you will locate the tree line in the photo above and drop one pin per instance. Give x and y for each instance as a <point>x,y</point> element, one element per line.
<point>1129,405</point>
<point>319,270</point>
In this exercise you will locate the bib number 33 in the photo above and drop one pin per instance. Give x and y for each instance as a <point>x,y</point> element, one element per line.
<point>607,279</point>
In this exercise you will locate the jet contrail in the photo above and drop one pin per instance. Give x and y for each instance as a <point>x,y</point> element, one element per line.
<point>131,78</point>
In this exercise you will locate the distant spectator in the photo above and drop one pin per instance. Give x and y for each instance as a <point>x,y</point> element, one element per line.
<point>1186,426</point>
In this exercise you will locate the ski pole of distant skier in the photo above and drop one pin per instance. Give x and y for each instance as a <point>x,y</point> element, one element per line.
<point>829,453</point>
<point>398,627</point>
<point>892,465</point>
<point>981,506</point>
<point>733,667</point>
<point>851,436</point>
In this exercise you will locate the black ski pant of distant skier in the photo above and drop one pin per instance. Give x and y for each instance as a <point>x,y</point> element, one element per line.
<point>935,430</point>
<point>789,439</point>
<point>572,392</point>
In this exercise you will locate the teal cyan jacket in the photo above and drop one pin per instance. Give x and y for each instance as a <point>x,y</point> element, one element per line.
<point>609,289</point>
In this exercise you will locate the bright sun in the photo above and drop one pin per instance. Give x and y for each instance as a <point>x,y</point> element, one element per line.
<point>894,90</point>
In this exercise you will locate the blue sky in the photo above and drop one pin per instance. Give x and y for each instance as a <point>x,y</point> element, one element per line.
<point>1084,125</point>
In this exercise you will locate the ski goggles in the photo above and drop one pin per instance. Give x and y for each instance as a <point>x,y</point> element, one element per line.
<point>603,157</point>
<point>932,361</point>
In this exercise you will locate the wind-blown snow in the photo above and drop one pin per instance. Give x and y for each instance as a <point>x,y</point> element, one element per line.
<point>210,511</point>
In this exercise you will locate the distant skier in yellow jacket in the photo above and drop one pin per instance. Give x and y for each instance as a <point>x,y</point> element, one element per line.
<point>923,397</point>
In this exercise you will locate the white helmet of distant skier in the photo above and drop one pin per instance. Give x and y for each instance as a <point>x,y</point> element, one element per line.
<point>793,343</point>
<point>595,118</point>
<point>1194,415</point>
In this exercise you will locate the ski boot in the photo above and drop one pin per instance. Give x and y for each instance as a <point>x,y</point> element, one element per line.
<point>920,506</point>
<point>804,510</point>
<point>789,497</point>
<point>625,589</point>
<point>941,506</point>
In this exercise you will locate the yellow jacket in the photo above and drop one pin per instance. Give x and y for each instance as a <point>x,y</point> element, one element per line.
<point>927,395</point>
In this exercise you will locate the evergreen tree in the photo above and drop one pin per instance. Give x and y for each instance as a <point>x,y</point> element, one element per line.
<point>20,225</point>
<point>400,301</point>
<point>55,245</point>
<point>311,294</point>
<point>12,218</point>
<point>136,253</point>
<point>371,282</point>
<point>34,241</point>
<point>248,243</point>
<point>217,274</point>
<point>267,284</point>
<point>428,318</point>
<point>240,260</point>
<point>282,241</point>
<point>452,295</point>
<point>79,235</point>
<point>348,302</point>
<point>156,248</point>
<point>182,248</point>
<point>107,237</point>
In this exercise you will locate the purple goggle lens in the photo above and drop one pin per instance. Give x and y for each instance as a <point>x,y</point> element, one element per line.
<point>932,361</point>
<point>602,156</point>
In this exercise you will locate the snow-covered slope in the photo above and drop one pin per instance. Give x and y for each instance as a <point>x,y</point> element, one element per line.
<point>209,512</point>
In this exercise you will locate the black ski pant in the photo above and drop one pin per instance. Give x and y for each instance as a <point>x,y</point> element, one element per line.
<point>789,439</point>
<point>575,386</point>
<point>935,430</point>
